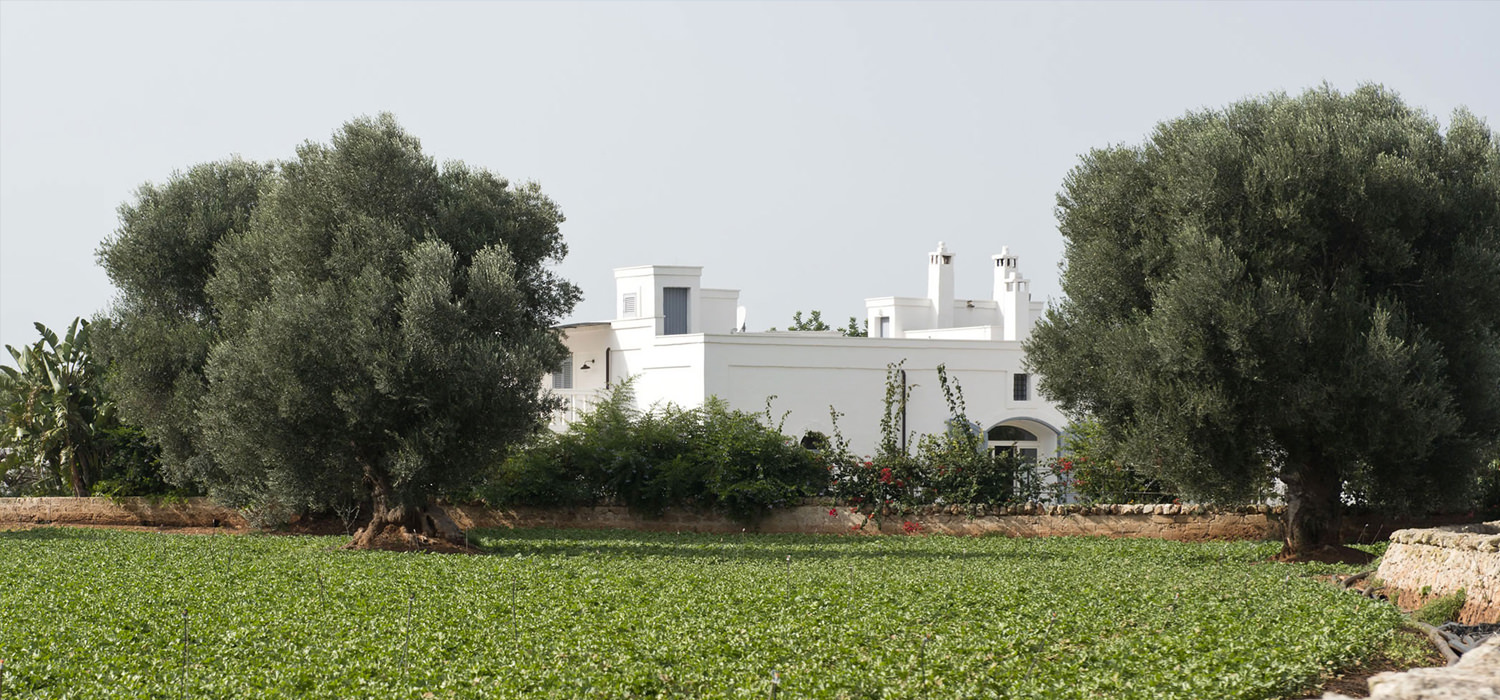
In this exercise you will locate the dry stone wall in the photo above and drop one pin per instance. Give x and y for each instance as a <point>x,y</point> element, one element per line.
<point>1167,521</point>
<point>147,512</point>
<point>1163,521</point>
<point>1426,563</point>
<point>1176,522</point>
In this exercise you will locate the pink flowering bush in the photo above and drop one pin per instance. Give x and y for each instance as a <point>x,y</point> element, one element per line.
<point>954,467</point>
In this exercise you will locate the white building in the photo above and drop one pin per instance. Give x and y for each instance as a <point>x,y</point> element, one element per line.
<point>683,342</point>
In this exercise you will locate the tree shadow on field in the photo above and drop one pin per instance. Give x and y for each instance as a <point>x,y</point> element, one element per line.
<point>770,548</point>
<point>52,533</point>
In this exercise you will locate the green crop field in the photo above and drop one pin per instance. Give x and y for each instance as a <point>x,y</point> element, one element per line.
<point>604,614</point>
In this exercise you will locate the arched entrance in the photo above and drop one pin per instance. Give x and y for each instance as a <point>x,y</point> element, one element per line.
<point>1027,438</point>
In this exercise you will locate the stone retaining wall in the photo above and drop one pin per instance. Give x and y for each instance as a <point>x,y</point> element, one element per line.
<point>149,512</point>
<point>1173,522</point>
<point>1163,521</point>
<point>1443,560</point>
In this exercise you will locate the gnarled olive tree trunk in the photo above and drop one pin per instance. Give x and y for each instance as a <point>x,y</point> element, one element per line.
<point>1314,514</point>
<point>400,524</point>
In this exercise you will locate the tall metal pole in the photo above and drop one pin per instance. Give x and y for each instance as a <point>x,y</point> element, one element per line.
<point>903,411</point>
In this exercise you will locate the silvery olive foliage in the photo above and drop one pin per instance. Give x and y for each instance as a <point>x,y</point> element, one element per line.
<point>357,319</point>
<point>1296,287</point>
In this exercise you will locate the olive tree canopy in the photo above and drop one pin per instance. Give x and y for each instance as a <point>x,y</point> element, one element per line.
<point>376,326</point>
<point>1302,288</point>
<point>155,340</point>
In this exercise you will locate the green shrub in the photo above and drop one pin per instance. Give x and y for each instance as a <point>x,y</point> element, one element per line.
<point>1441,609</point>
<point>541,474</point>
<point>1487,493</point>
<point>751,466</point>
<point>132,465</point>
<point>707,457</point>
<point>1091,472</point>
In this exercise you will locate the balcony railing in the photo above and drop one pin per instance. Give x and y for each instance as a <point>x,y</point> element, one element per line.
<point>576,402</point>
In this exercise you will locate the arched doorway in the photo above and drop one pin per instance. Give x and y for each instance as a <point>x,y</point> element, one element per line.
<point>1027,438</point>
<point>1013,440</point>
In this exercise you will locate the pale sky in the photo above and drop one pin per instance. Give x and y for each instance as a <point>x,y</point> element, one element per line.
<point>808,154</point>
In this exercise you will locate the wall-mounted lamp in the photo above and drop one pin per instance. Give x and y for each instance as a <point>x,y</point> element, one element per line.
<point>586,365</point>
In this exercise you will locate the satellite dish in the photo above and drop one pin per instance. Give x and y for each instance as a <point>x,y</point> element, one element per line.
<point>739,318</point>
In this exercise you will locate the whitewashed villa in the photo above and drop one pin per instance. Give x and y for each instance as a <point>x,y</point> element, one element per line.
<point>683,342</point>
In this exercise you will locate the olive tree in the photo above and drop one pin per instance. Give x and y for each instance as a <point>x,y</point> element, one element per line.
<point>378,326</point>
<point>156,337</point>
<point>1294,288</point>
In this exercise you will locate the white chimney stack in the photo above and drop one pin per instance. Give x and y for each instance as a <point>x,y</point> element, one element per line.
<point>940,285</point>
<point>1012,292</point>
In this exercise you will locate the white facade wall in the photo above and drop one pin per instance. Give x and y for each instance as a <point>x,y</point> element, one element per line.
<point>808,376</point>
<point>720,310</point>
<point>808,373</point>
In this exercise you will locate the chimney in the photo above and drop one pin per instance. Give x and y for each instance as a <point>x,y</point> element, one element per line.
<point>1012,292</point>
<point>940,285</point>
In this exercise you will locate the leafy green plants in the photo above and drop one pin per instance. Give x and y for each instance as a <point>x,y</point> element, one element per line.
<point>1441,609</point>
<point>131,465</point>
<point>54,411</point>
<point>708,457</point>
<point>611,614</point>
<point>61,434</point>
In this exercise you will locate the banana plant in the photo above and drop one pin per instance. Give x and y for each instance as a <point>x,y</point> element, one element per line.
<point>53,411</point>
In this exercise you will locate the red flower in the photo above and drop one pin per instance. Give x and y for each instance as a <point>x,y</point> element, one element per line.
<point>833,512</point>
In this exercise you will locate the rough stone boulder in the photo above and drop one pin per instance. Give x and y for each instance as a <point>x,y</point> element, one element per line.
<point>1476,676</point>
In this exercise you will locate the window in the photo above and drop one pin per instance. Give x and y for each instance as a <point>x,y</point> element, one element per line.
<point>628,306</point>
<point>885,326</point>
<point>1022,393</point>
<point>1010,433</point>
<point>674,307</point>
<point>562,377</point>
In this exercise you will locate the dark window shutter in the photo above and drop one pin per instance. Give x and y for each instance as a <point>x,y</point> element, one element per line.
<point>674,310</point>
